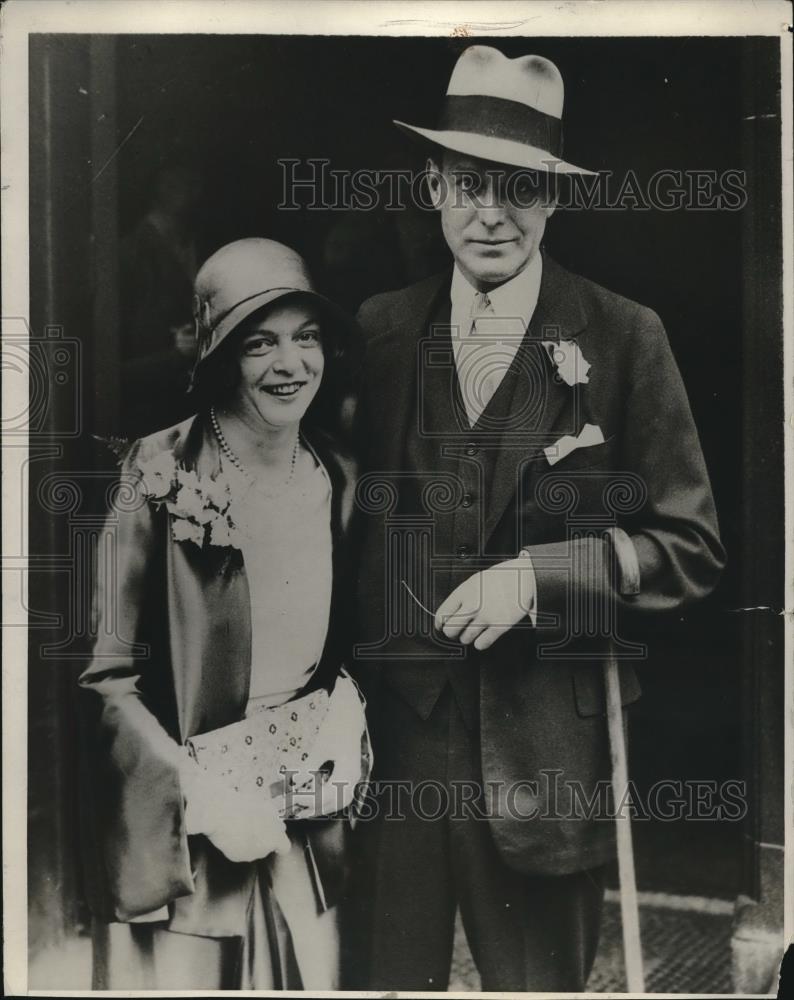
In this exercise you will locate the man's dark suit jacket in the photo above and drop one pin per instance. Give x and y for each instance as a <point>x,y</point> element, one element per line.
<point>542,727</point>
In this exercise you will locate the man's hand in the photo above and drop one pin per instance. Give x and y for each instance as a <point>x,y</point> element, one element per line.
<point>489,603</point>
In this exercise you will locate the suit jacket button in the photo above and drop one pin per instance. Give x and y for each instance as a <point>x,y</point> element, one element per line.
<point>471,449</point>
<point>466,500</point>
<point>463,551</point>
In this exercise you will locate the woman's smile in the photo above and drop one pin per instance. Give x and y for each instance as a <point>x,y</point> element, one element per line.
<point>284,390</point>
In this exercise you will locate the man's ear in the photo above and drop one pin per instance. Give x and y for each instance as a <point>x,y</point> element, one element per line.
<point>435,182</point>
<point>552,195</point>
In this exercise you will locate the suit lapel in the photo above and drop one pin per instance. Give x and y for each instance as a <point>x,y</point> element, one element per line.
<point>539,396</point>
<point>394,358</point>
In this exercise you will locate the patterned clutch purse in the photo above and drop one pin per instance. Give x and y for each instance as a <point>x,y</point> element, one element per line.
<point>283,750</point>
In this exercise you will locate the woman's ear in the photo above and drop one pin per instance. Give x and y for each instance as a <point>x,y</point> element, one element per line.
<point>435,182</point>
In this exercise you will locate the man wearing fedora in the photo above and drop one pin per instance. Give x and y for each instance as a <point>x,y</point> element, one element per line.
<point>519,426</point>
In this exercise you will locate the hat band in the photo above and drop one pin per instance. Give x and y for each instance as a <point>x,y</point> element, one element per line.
<point>248,298</point>
<point>499,118</point>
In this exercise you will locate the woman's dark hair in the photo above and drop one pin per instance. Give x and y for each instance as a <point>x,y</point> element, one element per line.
<point>217,378</point>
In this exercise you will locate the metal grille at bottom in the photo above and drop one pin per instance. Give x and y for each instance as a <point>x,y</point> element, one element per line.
<point>684,952</point>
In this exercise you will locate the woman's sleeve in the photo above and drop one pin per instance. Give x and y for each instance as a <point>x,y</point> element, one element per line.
<point>135,763</point>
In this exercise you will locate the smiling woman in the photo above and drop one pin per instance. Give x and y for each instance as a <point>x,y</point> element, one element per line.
<point>281,366</point>
<point>288,326</point>
<point>214,879</point>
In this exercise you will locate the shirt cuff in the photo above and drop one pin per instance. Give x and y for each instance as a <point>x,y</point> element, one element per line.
<point>532,612</point>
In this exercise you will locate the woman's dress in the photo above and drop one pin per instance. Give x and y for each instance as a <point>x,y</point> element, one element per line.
<point>291,941</point>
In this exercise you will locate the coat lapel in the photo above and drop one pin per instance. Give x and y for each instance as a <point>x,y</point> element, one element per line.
<point>342,473</point>
<point>394,358</point>
<point>539,396</point>
<point>199,449</point>
<point>210,623</point>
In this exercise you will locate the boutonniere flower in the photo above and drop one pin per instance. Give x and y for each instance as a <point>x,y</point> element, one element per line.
<point>200,509</point>
<point>567,357</point>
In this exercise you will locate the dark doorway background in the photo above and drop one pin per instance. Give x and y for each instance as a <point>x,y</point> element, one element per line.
<point>233,106</point>
<point>230,106</point>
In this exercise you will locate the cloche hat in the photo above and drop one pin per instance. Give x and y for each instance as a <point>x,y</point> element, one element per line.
<point>241,278</point>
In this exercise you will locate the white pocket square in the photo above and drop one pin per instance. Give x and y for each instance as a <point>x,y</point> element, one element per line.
<point>589,435</point>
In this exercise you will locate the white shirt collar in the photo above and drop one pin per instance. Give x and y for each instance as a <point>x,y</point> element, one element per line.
<point>517,297</point>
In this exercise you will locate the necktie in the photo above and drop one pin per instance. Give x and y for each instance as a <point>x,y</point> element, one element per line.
<point>480,306</point>
<point>478,374</point>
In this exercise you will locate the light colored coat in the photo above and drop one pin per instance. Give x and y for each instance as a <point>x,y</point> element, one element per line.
<point>176,662</point>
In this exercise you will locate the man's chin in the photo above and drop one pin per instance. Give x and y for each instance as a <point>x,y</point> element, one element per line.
<point>495,275</point>
<point>494,271</point>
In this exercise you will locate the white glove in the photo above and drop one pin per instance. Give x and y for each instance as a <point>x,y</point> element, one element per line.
<point>340,738</point>
<point>489,603</point>
<point>244,827</point>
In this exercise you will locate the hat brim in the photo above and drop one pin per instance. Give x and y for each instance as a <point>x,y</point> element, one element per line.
<point>486,147</point>
<point>342,321</point>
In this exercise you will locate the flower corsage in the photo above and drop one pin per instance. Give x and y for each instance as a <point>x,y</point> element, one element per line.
<point>200,509</point>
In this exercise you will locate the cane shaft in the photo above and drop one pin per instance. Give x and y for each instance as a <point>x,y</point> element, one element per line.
<point>628,584</point>
<point>629,906</point>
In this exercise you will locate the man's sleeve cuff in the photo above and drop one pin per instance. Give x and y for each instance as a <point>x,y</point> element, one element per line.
<point>532,611</point>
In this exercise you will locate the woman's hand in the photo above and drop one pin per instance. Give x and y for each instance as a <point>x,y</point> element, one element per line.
<point>242,826</point>
<point>314,793</point>
<point>248,828</point>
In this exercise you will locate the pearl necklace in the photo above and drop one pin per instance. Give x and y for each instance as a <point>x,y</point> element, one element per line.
<point>227,451</point>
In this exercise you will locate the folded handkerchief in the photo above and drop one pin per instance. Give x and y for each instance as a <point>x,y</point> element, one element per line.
<point>589,435</point>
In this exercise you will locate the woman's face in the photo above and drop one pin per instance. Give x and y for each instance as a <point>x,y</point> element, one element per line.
<point>281,364</point>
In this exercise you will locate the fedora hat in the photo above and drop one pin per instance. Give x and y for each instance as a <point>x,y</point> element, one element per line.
<point>240,279</point>
<point>504,110</point>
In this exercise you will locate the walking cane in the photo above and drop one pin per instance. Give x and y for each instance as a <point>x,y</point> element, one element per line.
<point>628,583</point>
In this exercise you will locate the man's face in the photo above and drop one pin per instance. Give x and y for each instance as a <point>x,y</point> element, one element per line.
<point>493,215</point>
